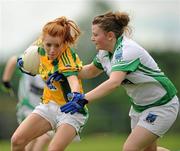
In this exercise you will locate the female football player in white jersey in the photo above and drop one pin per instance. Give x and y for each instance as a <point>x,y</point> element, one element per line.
<point>29,96</point>
<point>153,96</point>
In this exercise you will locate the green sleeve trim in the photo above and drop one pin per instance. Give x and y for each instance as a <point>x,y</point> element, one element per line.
<point>97,63</point>
<point>148,70</point>
<point>41,51</point>
<point>126,66</point>
<point>67,74</point>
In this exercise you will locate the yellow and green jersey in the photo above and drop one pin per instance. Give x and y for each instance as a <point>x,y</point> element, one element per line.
<point>68,63</point>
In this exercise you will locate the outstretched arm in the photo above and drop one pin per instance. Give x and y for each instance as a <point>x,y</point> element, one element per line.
<point>89,71</point>
<point>106,87</point>
<point>78,102</point>
<point>9,69</point>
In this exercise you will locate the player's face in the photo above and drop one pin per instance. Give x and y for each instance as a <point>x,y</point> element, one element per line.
<point>53,46</point>
<point>99,38</point>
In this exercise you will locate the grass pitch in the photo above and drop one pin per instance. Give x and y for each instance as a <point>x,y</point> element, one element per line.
<point>107,142</point>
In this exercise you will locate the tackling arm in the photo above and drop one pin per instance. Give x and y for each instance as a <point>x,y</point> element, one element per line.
<point>9,69</point>
<point>78,101</point>
<point>106,87</point>
<point>89,71</point>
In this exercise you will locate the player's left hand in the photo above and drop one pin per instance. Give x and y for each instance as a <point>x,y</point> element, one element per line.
<point>56,76</point>
<point>75,104</point>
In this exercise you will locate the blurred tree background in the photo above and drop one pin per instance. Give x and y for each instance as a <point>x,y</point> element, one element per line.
<point>110,114</point>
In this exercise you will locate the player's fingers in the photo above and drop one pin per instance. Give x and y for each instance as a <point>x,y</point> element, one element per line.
<point>76,105</point>
<point>74,111</point>
<point>71,108</point>
<point>66,107</point>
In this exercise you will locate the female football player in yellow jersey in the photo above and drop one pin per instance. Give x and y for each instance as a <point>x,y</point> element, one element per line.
<point>60,64</point>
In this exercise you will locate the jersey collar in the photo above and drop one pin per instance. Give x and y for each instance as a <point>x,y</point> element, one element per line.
<point>118,42</point>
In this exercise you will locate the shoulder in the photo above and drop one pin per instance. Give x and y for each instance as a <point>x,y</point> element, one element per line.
<point>69,54</point>
<point>129,50</point>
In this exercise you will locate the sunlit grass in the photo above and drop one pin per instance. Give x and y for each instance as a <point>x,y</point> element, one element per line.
<point>107,142</point>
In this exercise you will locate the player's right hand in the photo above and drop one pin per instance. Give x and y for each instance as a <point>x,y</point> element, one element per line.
<point>7,88</point>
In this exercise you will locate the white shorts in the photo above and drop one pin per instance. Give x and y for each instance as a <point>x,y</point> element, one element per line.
<point>156,119</point>
<point>52,113</point>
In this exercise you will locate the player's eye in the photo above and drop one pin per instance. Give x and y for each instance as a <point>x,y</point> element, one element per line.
<point>95,35</point>
<point>48,44</point>
<point>56,45</point>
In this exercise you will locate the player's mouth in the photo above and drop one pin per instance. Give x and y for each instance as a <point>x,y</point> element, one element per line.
<point>51,56</point>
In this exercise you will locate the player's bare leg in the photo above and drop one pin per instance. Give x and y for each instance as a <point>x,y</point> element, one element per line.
<point>139,139</point>
<point>151,147</point>
<point>63,137</point>
<point>41,142</point>
<point>30,145</point>
<point>32,127</point>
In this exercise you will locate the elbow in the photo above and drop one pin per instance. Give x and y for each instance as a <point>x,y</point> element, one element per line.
<point>114,84</point>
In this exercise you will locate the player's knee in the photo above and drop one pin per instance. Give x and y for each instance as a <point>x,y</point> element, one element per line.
<point>17,141</point>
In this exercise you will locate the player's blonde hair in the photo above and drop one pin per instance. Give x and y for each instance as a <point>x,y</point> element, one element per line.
<point>65,29</point>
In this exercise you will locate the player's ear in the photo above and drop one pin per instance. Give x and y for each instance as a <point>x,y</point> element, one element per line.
<point>110,35</point>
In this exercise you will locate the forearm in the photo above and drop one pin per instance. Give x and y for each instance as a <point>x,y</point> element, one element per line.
<point>79,101</point>
<point>89,71</point>
<point>74,83</point>
<point>85,73</point>
<point>106,87</point>
<point>102,90</point>
<point>9,69</point>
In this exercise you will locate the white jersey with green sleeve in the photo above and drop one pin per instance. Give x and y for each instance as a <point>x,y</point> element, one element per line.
<point>145,84</point>
<point>30,90</point>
